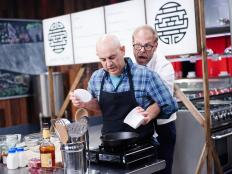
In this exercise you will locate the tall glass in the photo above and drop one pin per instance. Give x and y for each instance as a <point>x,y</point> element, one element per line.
<point>73,158</point>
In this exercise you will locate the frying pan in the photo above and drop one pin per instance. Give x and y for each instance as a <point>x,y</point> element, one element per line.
<point>119,139</point>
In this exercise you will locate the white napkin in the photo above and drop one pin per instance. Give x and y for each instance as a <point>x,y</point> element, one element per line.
<point>134,119</point>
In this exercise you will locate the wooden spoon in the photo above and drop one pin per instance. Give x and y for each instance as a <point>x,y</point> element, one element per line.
<point>81,113</point>
<point>62,132</point>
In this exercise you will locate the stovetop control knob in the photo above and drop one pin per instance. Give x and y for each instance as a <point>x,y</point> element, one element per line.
<point>215,117</point>
<point>224,115</point>
<point>220,116</point>
<point>229,114</point>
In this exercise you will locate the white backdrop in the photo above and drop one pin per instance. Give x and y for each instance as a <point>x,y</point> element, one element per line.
<point>174,21</point>
<point>122,19</point>
<point>175,24</point>
<point>87,27</point>
<point>58,41</point>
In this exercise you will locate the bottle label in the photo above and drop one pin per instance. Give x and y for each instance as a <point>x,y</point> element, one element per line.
<point>46,160</point>
<point>46,133</point>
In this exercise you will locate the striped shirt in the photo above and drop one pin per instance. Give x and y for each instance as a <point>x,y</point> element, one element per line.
<point>148,87</point>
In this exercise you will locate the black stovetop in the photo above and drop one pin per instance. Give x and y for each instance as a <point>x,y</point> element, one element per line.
<point>132,155</point>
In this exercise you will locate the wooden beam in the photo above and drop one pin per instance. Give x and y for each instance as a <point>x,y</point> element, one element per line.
<point>201,160</point>
<point>188,104</point>
<point>210,156</point>
<point>205,86</point>
<point>74,85</point>
<point>51,92</point>
<point>217,161</point>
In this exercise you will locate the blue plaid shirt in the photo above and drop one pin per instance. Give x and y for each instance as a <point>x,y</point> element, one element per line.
<point>148,87</point>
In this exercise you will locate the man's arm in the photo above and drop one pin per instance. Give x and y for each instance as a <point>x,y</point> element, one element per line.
<point>153,111</point>
<point>162,96</point>
<point>164,68</point>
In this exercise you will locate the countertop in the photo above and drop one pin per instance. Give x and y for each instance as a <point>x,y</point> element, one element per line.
<point>94,135</point>
<point>148,168</point>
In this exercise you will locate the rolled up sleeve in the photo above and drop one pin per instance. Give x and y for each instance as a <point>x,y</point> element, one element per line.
<point>158,91</point>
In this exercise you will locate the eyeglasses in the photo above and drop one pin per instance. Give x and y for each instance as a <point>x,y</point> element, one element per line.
<point>147,47</point>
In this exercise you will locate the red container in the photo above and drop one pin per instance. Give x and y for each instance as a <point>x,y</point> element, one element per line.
<point>217,44</point>
<point>215,66</point>
<point>178,69</point>
<point>229,63</point>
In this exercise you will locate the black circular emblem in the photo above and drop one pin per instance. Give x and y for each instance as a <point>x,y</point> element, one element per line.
<point>57,37</point>
<point>171,23</point>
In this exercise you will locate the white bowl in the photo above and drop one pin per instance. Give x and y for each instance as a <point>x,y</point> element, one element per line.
<point>223,74</point>
<point>191,74</point>
<point>82,95</point>
<point>134,119</point>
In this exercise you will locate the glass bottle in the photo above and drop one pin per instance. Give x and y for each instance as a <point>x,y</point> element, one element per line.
<point>4,154</point>
<point>47,149</point>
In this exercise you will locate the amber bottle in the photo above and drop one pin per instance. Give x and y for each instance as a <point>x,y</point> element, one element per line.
<point>47,150</point>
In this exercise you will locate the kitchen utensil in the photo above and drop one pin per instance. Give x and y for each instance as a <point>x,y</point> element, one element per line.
<point>119,139</point>
<point>78,128</point>
<point>81,116</point>
<point>62,132</point>
<point>81,112</point>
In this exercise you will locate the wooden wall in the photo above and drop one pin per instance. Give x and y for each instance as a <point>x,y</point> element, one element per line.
<point>40,9</point>
<point>14,111</point>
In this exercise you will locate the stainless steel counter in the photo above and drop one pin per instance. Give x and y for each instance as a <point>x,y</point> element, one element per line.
<point>148,168</point>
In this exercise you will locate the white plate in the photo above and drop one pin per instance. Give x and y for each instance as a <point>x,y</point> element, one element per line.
<point>82,95</point>
<point>134,119</point>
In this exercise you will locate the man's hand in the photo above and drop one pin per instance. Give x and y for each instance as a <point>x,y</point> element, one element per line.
<point>91,105</point>
<point>141,111</point>
<point>150,113</point>
<point>76,102</point>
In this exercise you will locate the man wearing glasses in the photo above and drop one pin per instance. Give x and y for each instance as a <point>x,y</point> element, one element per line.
<point>145,42</point>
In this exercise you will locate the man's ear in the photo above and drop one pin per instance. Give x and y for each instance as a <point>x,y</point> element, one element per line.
<point>122,49</point>
<point>156,45</point>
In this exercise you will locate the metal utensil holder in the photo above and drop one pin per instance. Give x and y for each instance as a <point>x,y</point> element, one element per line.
<point>73,157</point>
<point>73,150</point>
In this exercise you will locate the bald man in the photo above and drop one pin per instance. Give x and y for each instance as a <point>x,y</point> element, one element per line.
<point>120,86</point>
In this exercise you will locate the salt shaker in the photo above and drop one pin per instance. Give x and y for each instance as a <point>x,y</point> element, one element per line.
<point>22,160</point>
<point>12,159</point>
